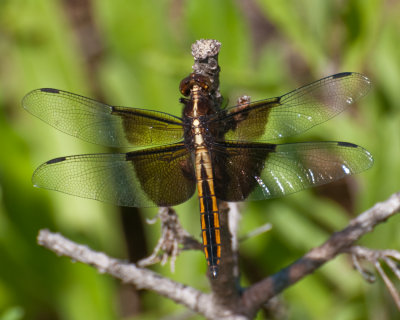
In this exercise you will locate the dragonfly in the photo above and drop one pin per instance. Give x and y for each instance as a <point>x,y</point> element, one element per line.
<point>227,154</point>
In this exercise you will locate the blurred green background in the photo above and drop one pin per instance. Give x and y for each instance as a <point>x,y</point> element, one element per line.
<point>134,53</point>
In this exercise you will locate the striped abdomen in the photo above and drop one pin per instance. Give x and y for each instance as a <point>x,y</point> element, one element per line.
<point>209,213</point>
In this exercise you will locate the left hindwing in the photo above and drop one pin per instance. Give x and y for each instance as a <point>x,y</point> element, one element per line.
<point>152,177</point>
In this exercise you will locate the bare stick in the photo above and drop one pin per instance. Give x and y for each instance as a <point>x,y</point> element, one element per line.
<point>340,241</point>
<point>254,297</point>
<point>142,278</point>
<point>172,236</point>
<point>373,257</point>
<point>128,273</point>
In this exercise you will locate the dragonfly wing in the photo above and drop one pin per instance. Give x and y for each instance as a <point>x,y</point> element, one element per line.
<point>263,171</point>
<point>100,123</point>
<point>151,177</point>
<point>292,113</point>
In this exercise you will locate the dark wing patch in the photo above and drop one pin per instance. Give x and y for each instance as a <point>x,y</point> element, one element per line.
<point>235,165</point>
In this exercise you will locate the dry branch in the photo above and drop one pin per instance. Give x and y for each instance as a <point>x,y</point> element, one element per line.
<point>246,305</point>
<point>338,243</point>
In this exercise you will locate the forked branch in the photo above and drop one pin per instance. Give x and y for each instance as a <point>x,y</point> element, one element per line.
<point>246,305</point>
<point>390,257</point>
<point>339,242</point>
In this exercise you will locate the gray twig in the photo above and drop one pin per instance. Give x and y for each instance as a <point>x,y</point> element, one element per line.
<point>373,256</point>
<point>338,243</point>
<point>246,305</point>
<point>172,236</point>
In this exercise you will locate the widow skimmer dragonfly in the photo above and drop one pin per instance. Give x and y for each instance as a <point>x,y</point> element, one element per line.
<point>221,151</point>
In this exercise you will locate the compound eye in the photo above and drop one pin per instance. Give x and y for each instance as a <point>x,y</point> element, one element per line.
<point>203,82</point>
<point>185,86</point>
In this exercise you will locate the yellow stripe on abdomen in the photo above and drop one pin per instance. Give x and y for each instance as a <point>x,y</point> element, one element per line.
<point>209,213</point>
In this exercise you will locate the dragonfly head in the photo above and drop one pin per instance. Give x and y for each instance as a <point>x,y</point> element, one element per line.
<point>193,79</point>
